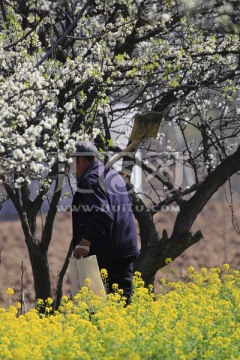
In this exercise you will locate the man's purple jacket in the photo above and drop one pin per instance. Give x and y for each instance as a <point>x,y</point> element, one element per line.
<point>102,214</point>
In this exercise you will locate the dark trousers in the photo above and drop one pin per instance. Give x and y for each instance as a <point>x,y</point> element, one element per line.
<point>120,272</point>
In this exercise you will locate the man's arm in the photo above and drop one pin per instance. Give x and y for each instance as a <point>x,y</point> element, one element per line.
<point>98,222</point>
<point>97,226</point>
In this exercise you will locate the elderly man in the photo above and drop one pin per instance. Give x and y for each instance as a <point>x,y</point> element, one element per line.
<point>103,223</point>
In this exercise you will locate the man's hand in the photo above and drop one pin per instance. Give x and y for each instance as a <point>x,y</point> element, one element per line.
<point>82,249</point>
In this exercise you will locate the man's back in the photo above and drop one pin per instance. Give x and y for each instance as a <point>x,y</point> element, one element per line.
<point>106,214</point>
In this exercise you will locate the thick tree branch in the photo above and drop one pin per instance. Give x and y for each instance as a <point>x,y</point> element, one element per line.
<point>154,257</point>
<point>191,208</point>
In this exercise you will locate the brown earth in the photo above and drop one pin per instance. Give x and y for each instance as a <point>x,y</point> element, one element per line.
<point>220,245</point>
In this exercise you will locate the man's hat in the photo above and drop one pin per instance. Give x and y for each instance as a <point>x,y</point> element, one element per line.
<point>86,148</point>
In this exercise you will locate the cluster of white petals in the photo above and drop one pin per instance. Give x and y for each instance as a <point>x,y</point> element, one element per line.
<point>141,53</point>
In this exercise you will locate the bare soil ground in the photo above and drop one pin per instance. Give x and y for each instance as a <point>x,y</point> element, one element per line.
<point>221,244</point>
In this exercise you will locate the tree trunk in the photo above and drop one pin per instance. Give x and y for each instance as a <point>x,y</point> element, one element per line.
<point>153,258</point>
<point>40,269</point>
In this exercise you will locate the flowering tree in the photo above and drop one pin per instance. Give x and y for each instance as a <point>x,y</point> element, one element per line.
<point>223,15</point>
<point>64,69</point>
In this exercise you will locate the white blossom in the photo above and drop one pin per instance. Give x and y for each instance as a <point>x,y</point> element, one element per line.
<point>18,154</point>
<point>166,17</point>
<point>36,121</point>
<point>39,154</point>
<point>49,122</point>
<point>20,141</point>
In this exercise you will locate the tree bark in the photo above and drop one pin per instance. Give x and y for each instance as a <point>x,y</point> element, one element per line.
<point>40,268</point>
<point>61,277</point>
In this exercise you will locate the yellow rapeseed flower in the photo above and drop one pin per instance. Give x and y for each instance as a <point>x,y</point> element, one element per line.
<point>64,299</point>
<point>9,291</point>
<point>114,287</point>
<point>49,301</point>
<point>104,273</point>
<point>18,305</point>
<point>197,317</point>
<point>225,267</point>
<point>18,354</point>
<point>137,273</point>
<point>204,271</point>
<point>87,282</point>
<point>40,302</point>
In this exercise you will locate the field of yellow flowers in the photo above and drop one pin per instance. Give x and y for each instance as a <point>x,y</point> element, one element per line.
<point>195,319</point>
